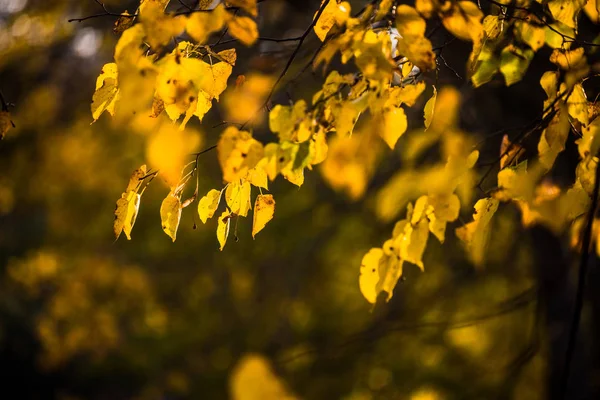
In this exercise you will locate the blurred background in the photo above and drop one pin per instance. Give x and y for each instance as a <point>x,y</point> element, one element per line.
<point>85,317</point>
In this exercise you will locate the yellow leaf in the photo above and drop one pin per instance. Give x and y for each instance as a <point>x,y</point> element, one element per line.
<point>413,241</point>
<point>586,174</point>
<point>429,109</point>
<point>237,196</point>
<point>128,205</point>
<point>208,205</point>
<point>394,125</point>
<point>346,116</point>
<point>568,59</point>
<point>160,28</point>
<point>248,5</point>
<point>201,25</point>
<point>592,8</point>
<point>464,21</point>
<point>188,85</point>
<point>264,208</point>
<point>168,150</point>
<point>243,29</point>
<point>257,176</point>
<point>369,274</point>
<point>553,139</point>
<point>577,104</point>
<point>566,11</point>
<point>253,379</point>
<point>514,63</point>
<point>125,213</point>
<point>446,110</point>
<point>107,93</point>
<point>333,14</point>
<point>408,21</point>
<point>127,49</point>
<point>170,214</point>
<point>589,144</point>
<point>533,35</point>
<point>404,95</point>
<point>237,152</point>
<point>556,33</point>
<point>245,101</point>
<point>223,228</point>
<point>5,123</point>
<point>443,209</point>
<point>283,120</point>
<point>476,234</point>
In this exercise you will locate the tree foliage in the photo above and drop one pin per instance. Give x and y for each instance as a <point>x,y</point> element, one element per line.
<point>378,64</point>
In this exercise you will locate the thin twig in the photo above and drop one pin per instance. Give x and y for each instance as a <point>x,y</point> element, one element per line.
<point>291,59</point>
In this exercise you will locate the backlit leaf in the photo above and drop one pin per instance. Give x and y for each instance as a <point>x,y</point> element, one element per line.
<point>476,234</point>
<point>107,93</point>
<point>208,205</point>
<point>264,208</point>
<point>243,29</point>
<point>170,214</point>
<point>253,378</point>
<point>464,20</point>
<point>237,196</point>
<point>223,228</point>
<point>429,109</point>
<point>332,14</point>
<point>394,125</point>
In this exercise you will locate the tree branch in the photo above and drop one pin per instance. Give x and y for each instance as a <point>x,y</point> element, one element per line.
<point>579,296</point>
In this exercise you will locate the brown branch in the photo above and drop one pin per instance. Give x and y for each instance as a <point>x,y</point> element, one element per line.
<point>579,296</point>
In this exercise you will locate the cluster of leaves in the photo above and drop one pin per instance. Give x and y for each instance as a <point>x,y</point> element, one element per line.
<point>389,48</point>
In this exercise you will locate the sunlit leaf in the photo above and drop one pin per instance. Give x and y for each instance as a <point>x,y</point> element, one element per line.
<point>464,20</point>
<point>514,63</point>
<point>264,208</point>
<point>237,196</point>
<point>107,93</point>
<point>332,14</point>
<point>243,29</point>
<point>208,205</point>
<point>429,109</point>
<point>394,125</point>
<point>201,25</point>
<point>223,228</point>
<point>170,214</point>
<point>253,378</point>
<point>5,123</point>
<point>476,234</point>
<point>237,152</point>
<point>369,274</point>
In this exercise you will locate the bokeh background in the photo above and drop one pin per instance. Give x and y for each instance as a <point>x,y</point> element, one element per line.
<point>85,317</point>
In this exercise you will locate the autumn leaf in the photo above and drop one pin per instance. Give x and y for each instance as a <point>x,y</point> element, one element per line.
<point>223,228</point>
<point>253,378</point>
<point>237,196</point>
<point>476,234</point>
<point>243,29</point>
<point>264,208</point>
<point>238,152</point>
<point>394,125</point>
<point>208,205</point>
<point>107,93</point>
<point>464,20</point>
<point>429,108</point>
<point>128,205</point>
<point>369,274</point>
<point>6,123</point>
<point>334,13</point>
<point>170,214</point>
